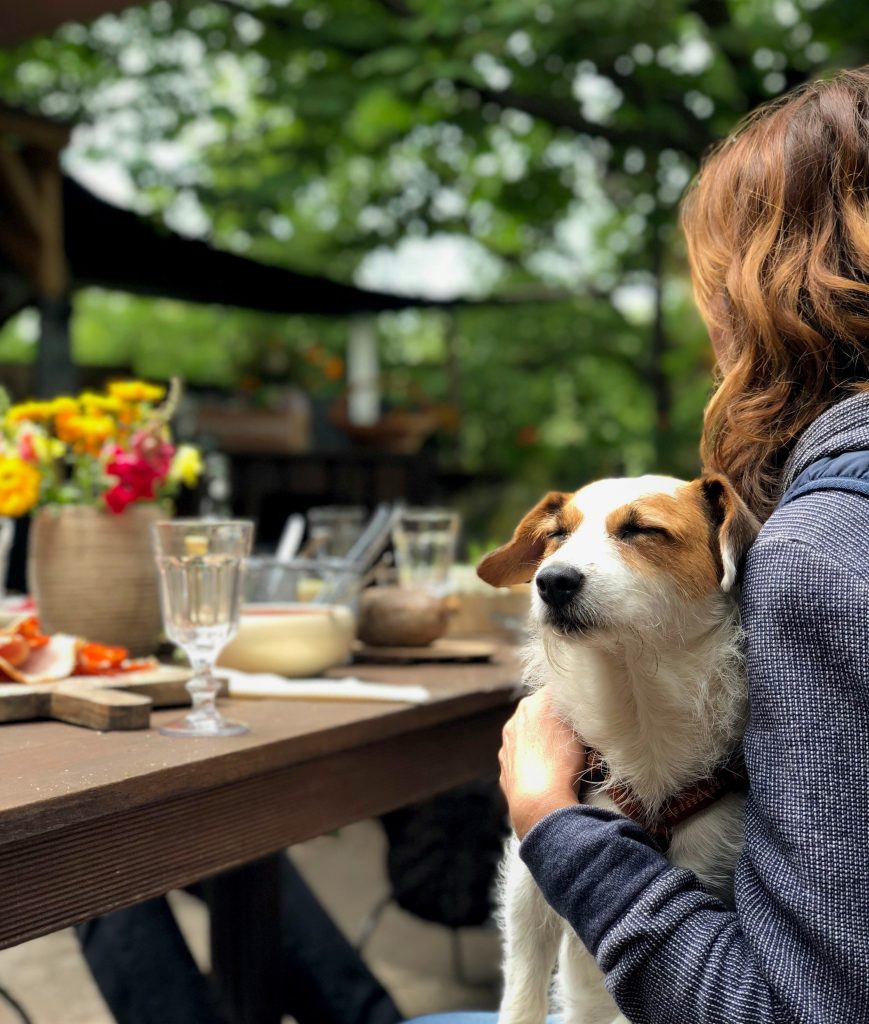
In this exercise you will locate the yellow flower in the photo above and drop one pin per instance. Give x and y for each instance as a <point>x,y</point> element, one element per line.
<point>34,411</point>
<point>62,406</point>
<point>93,403</point>
<point>85,433</point>
<point>136,391</point>
<point>19,486</point>
<point>186,466</point>
<point>47,449</point>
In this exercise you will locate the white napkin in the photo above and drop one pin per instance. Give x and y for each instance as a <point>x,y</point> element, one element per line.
<point>264,684</point>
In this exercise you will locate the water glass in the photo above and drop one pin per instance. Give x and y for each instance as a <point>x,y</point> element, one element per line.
<point>201,573</point>
<point>334,529</point>
<point>424,541</point>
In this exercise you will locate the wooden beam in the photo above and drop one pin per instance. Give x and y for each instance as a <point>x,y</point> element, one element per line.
<point>35,131</point>
<point>31,181</point>
<point>21,247</point>
<point>48,185</point>
<point>17,183</point>
<point>24,18</point>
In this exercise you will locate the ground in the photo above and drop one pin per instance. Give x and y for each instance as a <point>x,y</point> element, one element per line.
<point>412,958</point>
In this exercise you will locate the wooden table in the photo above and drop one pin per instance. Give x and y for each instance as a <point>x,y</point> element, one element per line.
<point>91,822</point>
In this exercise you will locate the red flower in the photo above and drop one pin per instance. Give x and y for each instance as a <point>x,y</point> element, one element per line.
<point>118,497</point>
<point>136,480</point>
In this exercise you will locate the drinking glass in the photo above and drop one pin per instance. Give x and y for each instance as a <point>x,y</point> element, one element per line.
<point>201,570</point>
<point>334,529</point>
<point>424,541</point>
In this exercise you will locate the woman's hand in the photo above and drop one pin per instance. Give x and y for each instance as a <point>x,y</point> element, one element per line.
<point>541,760</point>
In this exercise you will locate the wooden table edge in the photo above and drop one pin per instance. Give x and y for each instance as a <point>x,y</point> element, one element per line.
<point>69,874</point>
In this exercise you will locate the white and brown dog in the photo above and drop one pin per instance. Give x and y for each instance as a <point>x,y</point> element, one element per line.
<point>638,638</point>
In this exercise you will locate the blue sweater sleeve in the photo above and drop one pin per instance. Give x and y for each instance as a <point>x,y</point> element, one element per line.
<point>796,948</point>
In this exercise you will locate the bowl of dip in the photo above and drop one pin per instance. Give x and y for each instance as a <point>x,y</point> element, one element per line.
<point>298,618</point>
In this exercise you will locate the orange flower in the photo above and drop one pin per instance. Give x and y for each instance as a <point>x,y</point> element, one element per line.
<point>85,434</point>
<point>334,368</point>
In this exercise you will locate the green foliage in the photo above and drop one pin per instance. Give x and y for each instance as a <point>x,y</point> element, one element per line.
<point>554,136</point>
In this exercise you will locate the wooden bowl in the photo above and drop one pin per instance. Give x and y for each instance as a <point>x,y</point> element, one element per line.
<point>401,617</point>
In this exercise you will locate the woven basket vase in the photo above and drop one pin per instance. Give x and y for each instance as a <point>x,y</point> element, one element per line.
<point>92,573</point>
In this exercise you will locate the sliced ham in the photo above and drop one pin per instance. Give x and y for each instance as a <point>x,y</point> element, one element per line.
<point>47,664</point>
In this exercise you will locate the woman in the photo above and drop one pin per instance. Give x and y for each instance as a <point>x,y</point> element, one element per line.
<point>777,225</point>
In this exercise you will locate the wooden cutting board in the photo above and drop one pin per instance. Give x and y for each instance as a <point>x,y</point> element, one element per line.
<point>99,702</point>
<point>438,651</point>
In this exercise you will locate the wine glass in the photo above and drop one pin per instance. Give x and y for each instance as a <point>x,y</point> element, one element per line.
<point>201,572</point>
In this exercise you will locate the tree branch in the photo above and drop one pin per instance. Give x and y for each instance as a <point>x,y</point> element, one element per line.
<point>713,13</point>
<point>562,116</point>
<point>398,7</point>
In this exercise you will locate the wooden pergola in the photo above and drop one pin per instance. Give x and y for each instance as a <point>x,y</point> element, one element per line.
<point>55,236</point>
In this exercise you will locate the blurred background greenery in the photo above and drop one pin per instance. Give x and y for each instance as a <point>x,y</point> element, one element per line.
<point>523,158</point>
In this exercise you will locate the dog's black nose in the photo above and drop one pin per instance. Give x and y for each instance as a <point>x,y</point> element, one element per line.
<point>558,584</point>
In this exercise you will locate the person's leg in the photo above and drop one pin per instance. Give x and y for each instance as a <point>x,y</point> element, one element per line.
<point>458,1017</point>
<point>465,1017</point>
<point>327,980</point>
<point>143,968</point>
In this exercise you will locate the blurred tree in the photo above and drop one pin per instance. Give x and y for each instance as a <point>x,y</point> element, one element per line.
<point>541,144</point>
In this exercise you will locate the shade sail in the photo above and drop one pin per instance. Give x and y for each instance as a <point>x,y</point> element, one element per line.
<point>108,247</point>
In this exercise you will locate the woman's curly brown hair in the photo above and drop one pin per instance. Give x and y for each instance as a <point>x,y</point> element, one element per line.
<point>777,225</point>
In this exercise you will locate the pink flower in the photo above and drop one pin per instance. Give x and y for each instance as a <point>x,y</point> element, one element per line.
<point>152,449</point>
<point>26,450</point>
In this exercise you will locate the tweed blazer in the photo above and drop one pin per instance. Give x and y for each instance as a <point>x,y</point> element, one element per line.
<point>795,950</point>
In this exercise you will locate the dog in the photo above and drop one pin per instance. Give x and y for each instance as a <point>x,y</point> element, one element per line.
<point>636,634</point>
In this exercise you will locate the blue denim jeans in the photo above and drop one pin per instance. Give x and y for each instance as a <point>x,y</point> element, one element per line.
<point>465,1017</point>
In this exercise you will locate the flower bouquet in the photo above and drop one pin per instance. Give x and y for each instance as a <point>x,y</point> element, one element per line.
<point>99,450</point>
<point>96,471</point>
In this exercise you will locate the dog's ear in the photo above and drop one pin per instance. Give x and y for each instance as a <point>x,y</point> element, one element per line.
<point>734,526</point>
<point>517,561</point>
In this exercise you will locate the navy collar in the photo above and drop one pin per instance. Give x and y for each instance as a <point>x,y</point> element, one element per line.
<point>844,427</point>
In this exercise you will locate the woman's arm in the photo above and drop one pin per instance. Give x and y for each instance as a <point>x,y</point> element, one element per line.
<point>797,946</point>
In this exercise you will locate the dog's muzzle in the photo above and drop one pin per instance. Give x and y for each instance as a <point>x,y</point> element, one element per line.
<point>558,585</point>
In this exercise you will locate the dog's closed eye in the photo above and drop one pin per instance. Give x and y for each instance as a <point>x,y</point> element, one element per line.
<point>557,533</point>
<point>631,529</point>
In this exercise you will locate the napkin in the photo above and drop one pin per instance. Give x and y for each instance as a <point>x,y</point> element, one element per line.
<point>264,684</point>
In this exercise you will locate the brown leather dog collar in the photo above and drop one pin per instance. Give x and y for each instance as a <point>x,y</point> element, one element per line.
<point>729,777</point>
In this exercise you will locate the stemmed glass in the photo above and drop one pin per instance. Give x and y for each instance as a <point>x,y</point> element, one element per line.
<point>201,571</point>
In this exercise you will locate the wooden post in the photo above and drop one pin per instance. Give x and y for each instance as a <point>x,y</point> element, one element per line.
<point>56,372</point>
<point>363,373</point>
<point>31,234</point>
<point>246,941</point>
